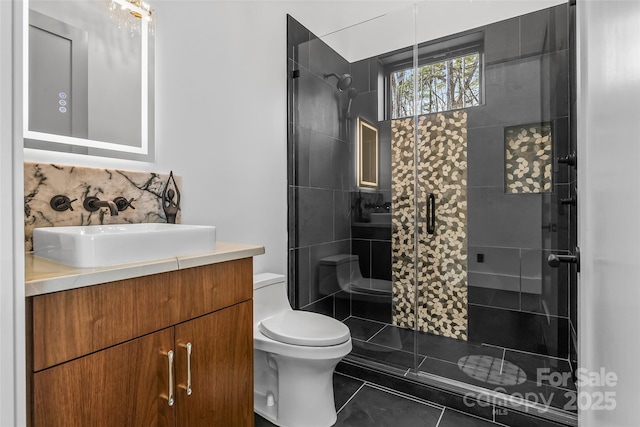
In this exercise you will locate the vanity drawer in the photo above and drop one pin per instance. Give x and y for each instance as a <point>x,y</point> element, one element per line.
<point>73,323</point>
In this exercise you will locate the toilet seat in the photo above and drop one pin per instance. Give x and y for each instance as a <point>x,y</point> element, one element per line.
<point>305,328</point>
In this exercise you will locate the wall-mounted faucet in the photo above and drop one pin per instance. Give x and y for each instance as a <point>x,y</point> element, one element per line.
<point>92,204</point>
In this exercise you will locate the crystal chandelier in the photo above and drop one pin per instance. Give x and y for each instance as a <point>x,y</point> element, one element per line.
<point>132,15</point>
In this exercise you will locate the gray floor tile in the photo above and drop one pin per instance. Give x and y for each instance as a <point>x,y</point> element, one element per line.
<point>375,407</point>
<point>458,419</point>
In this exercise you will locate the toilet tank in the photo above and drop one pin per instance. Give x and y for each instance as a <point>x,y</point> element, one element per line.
<point>338,272</point>
<point>269,295</point>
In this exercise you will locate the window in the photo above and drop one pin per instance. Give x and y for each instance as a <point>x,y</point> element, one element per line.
<point>448,84</point>
<point>448,74</point>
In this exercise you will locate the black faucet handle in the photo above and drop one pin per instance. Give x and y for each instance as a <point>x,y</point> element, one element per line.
<point>122,203</point>
<point>61,203</point>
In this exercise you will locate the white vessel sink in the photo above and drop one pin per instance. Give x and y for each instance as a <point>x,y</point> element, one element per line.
<point>106,245</point>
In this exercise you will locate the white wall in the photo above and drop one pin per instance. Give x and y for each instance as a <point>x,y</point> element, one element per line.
<point>609,202</point>
<point>221,118</point>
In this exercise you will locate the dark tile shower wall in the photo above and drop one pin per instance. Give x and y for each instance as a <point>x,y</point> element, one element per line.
<point>319,172</point>
<point>511,287</point>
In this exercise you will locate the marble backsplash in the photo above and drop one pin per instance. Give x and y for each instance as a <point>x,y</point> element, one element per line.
<point>44,181</point>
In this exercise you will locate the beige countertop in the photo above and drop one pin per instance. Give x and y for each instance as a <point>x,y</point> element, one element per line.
<point>43,276</point>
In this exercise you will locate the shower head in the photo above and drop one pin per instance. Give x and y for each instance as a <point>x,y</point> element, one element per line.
<point>344,81</point>
<point>352,93</point>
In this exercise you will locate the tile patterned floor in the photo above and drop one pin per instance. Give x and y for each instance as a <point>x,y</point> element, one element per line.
<point>393,346</point>
<point>363,404</point>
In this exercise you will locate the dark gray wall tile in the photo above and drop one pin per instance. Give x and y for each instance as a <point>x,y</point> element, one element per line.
<point>317,106</point>
<point>314,216</point>
<point>316,253</point>
<point>528,90</point>
<point>544,31</point>
<point>322,306</point>
<point>362,248</point>
<point>498,219</point>
<point>301,138</point>
<point>503,261</point>
<point>561,147</point>
<point>381,260</point>
<point>494,298</point>
<point>297,42</point>
<point>485,156</point>
<point>502,41</point>
<point>342,302</point>
<point>384,157</point>
<point>494,281</point>
<point>365,105</point>
<point>530,332</point>
<point>328,162</point>
<point>342,215</point>
<point>373,307</point>
<point>555,87</point>
<point>324,60</point>
<point>299,274</point>
<point>360,73</point>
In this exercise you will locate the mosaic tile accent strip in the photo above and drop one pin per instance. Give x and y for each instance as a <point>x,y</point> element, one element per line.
<point>442,257</point>
<point>528,159</point>
<point>402,223</point>
<point>43,181</point>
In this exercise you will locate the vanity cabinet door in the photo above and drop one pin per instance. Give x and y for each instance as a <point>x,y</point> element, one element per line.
<point>221,366</point>
<point>125,385</point>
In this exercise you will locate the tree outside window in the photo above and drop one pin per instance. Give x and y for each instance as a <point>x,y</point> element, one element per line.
<point>446,85</point>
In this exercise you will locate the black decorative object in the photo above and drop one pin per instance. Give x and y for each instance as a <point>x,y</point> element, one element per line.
<point>169,205</point>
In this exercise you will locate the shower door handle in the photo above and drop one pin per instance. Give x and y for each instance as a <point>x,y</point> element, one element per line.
<point>554,260</point>
<point>431,213</point>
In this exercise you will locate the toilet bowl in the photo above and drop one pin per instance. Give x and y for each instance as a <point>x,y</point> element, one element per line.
<point>295,354</point>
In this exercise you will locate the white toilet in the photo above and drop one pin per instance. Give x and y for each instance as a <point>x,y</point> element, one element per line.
<point>295,354</point>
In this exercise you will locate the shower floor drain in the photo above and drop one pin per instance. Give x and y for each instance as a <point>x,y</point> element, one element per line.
<point>492,370</point>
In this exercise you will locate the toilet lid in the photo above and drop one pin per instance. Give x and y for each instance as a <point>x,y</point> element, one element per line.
<point>305,328</point>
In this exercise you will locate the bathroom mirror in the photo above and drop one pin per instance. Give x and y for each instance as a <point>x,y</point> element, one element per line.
<point>90,82</point>
<point>367,154</point>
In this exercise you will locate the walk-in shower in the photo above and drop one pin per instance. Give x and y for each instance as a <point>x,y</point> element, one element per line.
<point>441,267</point>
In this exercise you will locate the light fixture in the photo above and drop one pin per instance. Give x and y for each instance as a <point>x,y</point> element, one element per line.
<point>131,14</point>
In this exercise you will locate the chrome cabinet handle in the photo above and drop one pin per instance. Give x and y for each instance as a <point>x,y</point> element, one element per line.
<point>170,357</point>
<point>189,348</point>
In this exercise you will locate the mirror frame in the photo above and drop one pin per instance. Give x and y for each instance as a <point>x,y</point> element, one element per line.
<point>54,142</point>
<point>366,181</point>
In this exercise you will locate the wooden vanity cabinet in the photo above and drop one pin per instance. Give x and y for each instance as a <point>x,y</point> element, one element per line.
<point>100,354</point>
